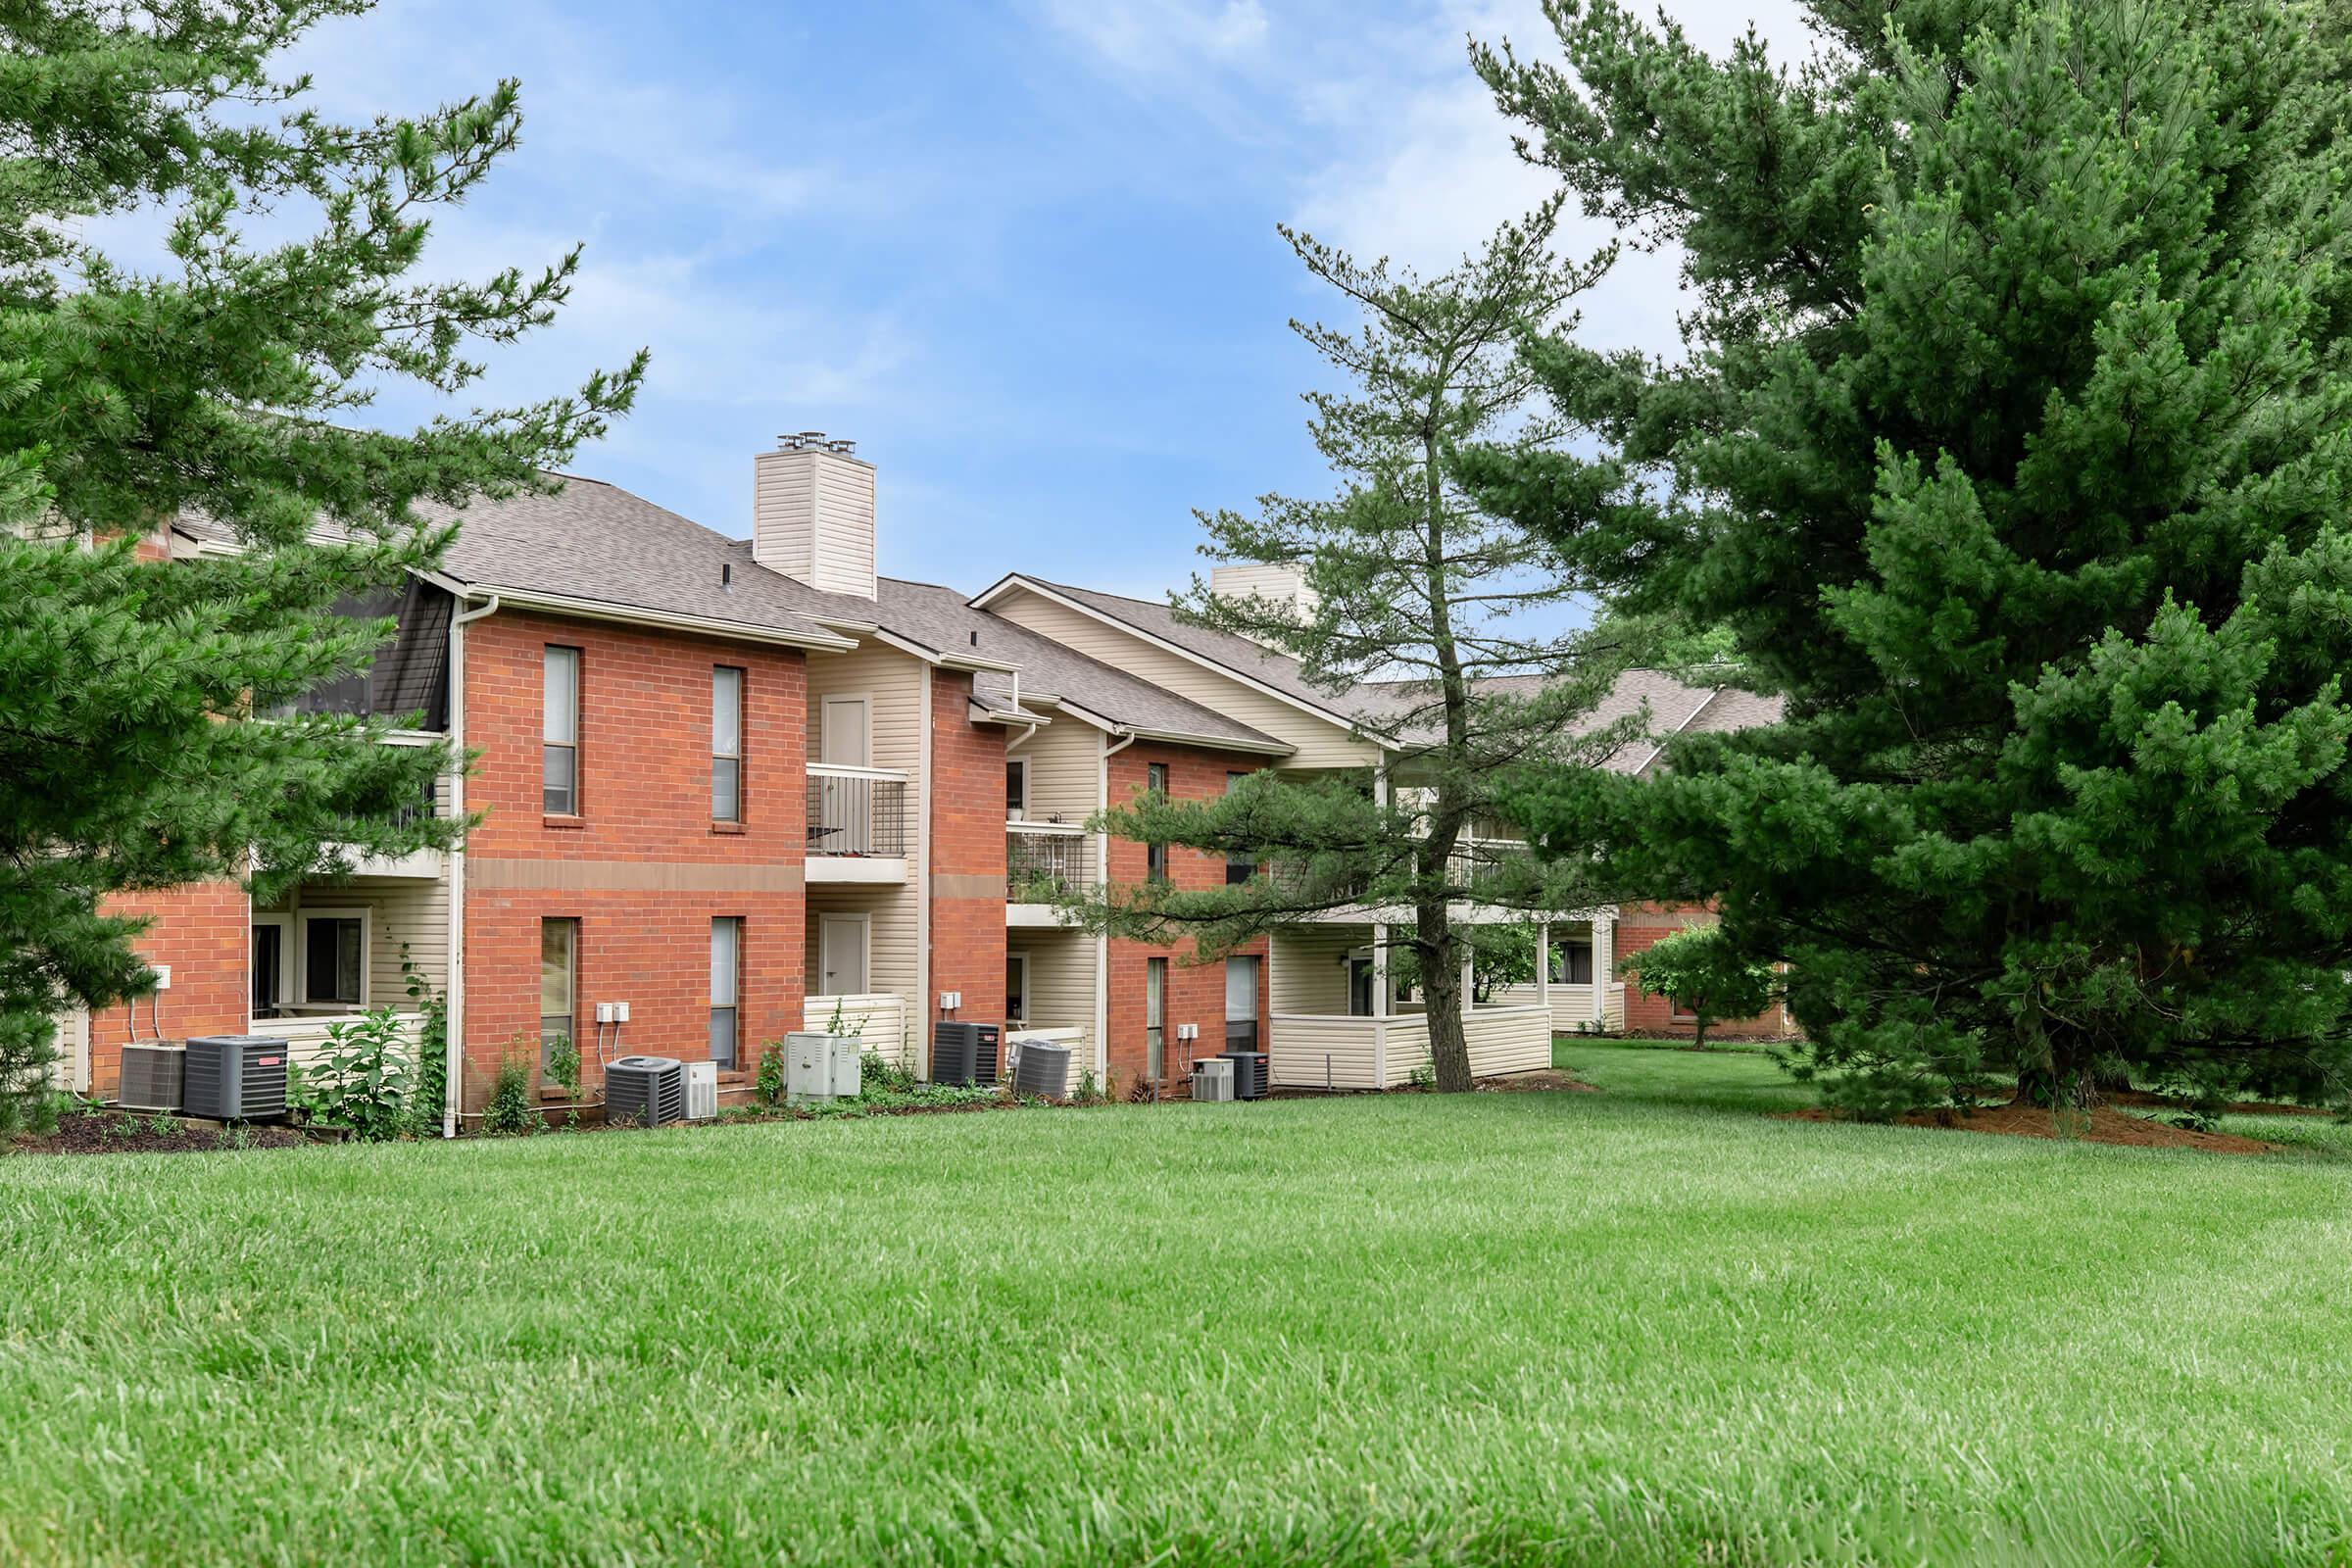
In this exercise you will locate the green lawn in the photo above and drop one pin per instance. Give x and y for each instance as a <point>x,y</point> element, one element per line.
<point>1643,1326</point>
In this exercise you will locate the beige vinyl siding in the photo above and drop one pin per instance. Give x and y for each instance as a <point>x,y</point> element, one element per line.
<point>414,912</point>
<point>1310,976</point>
<point>1065,771</point>
<point>894,681</point>
<point>812,518</point>
<point>1061,982</point>
<point>891,959</point>
<point>1320,742</point>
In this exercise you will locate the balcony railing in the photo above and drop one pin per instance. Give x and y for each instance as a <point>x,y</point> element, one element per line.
<point>1044,860</point>
<point>856,810</point>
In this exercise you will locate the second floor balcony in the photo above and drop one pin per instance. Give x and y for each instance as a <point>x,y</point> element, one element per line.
<point>856,824</point>
<point>1043,861</point>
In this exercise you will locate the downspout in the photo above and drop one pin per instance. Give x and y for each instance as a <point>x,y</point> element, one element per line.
<point>453,992</point>
<point>1103,758</point>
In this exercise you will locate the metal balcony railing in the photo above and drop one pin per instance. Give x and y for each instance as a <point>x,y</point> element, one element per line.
<point>856,810</point>
<point>1044,860</point>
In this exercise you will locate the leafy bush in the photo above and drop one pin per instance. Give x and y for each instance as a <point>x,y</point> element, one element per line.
<point>432,1046</point>
<point>364,1080</point>
<point>509,1113</point>
<point>879,1075</point>
<point>1090,1088</point>
<point>767,1085</point>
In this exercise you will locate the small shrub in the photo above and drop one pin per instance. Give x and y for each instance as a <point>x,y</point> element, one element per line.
<point>1090,1089</point>
<point>508,1112</point>
<point>364,1080</point>
<point>879,1075</point>
<point>1424,1076</point>
<point>767,1085</point>
<point>431,1095</point>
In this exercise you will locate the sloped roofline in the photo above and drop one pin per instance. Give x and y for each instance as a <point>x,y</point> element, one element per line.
<point>1014,581</point>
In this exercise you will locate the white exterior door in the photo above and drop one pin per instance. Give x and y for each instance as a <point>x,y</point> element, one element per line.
<point>844,732</point>
<point>840,954</point>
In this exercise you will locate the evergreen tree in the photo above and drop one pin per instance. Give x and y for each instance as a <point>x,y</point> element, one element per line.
<point>2011,446</point>
<point>131,752</point>
<point>1449,632</point>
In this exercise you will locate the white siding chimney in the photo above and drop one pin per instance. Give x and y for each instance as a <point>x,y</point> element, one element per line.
<point>1282,583</point>
<point>812,514</point>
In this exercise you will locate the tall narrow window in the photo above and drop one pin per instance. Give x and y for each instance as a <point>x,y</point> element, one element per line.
<point>726,967</point>
<point>1239,868</point>
<point>1572,964</point>
<point>560,732</point>
<point>1155,1011</point>
<point>1156,853</point>
<point>559,983</point>
<point>726,744</point>
<point>1016,789</point>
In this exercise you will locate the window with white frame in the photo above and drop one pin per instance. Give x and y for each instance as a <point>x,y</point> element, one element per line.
<point>726,970</point>
<point>1016,789</point>
<point>560,732</point>
<point>726,744</point>
<point>335,958</point>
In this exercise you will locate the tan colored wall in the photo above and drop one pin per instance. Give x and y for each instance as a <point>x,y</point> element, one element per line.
<point>1308,976</point>
<point>1065,770</point>
<point>894,681</point>
<point>1061,981</point>
<point>891,957</point>
<point>414,912</point>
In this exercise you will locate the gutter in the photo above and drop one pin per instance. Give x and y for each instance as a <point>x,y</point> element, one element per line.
<point>629,614</point>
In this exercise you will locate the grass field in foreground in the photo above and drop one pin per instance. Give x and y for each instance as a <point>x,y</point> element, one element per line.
<point>1633,1327</point>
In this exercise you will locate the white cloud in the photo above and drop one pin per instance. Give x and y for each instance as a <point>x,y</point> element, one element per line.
<point>1150,38</point>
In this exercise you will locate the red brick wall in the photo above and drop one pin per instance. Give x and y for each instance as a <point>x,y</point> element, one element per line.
<point>204,933</point>
<point>1195,992</point>
<point>967,857</point>
<point>642,868</point>
<point>1640,927</point>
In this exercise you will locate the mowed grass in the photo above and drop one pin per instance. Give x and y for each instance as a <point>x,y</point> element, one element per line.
<point>1643,1326</point>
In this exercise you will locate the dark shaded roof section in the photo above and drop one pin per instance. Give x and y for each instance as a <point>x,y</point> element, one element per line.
<point>941,619</point>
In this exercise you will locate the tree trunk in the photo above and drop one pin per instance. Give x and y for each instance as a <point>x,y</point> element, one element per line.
<point>1442,991</point>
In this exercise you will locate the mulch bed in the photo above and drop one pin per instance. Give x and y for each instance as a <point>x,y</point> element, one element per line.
<point>2105,1125</point>
<point>117,1134</point>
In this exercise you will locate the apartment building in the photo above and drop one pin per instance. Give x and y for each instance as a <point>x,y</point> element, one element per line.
<point>730,788</point>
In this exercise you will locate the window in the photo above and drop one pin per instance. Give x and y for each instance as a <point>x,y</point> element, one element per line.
<point>1155,854</point>
<point>1239,868</point>
<point>726,965</point>
<point>726,744</point>
<point>1572,964</point>
<point>559,983</point>
<point>1016,789</point>
<point>560,732</point>
<point>1155,1009</point>
<point>334,958</point>
<point>1016,988</point>
<point>1241,1002</point>
<point>272,964</point>
<point>1361,979</point>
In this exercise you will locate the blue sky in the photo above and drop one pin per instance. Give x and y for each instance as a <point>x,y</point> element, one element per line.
<point>1024,254</point>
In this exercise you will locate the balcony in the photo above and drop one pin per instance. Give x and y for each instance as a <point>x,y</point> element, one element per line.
<point>1043,862</point>
<point>856,824</point>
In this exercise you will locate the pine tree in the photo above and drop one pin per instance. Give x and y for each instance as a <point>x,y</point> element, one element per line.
<point>131,752</point>
<point>2011,446</point>
<point>1450,633</point>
